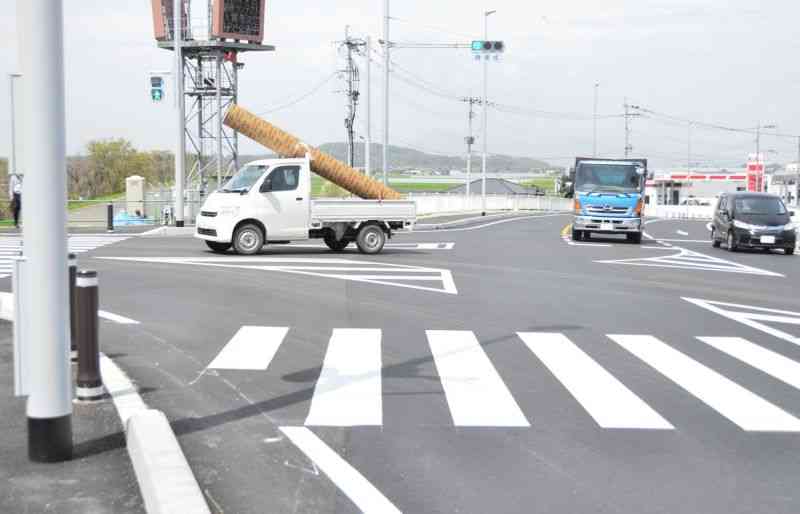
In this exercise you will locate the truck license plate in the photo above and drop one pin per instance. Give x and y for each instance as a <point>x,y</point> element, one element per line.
<point>767,240</point>
<point>607,226</point>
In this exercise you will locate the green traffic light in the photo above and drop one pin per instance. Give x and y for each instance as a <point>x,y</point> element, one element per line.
<point>156,95</point>
<point>477,46</point>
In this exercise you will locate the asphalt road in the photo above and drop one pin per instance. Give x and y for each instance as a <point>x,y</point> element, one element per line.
<point>477,373</point>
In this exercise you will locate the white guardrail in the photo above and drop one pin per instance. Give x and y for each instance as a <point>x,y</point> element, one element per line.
<point>446,203</point>
<point>684,212</point>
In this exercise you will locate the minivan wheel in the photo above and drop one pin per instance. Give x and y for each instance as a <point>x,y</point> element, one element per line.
<point>248,240</point>
<point>714,241</point>
<point>789,251</point>
<point>731,242</point>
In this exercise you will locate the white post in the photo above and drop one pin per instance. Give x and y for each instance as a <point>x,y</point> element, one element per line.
<point>594,120</point>
<point>386,47</point>
<point>49,407</point>
<point>485,121</point>
<point>368,109</point>
<point>219,121</point>
<point>12,163</point>
<point>180,148</point>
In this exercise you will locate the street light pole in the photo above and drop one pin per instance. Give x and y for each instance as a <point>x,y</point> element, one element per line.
<point>12,164</point>
<point>484,120</point>
<point>368,112</point>
<point>47,341</point>
<point>180,149</point>
<point>386,46</point>
<point>594,118</point>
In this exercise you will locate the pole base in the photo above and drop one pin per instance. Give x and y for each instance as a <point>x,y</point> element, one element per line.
<point>50,439</point>
<point>483,213</point>
<point>178,223</point>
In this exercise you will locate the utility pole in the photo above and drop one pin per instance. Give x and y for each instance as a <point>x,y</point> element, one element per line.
<point>368,128</point>
<point>47,340</point>
<point>485,114</point>
<point>386,48</point>
<point>470,140</point>
<point>689,150</point>
<point>180,149</point>
<point>594,120</point>
<point>628,128</point>
<point>351,74</point>
<point>797,178</point>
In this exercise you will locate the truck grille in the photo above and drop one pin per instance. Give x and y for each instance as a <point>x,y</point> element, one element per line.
<point>595,209</point>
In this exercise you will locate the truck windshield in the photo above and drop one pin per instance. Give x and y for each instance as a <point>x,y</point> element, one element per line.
<point>618,178</point>
<point>244,179</point>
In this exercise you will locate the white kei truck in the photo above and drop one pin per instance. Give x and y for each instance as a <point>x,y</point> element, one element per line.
<point>269,202</point>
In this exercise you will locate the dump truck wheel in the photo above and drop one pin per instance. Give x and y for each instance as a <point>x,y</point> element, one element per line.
<point>248,240</point>
<point>371,239</point>
<point>219,247</point>
<point>337,245</point>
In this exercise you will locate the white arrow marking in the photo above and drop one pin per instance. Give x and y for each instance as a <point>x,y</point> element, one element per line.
<point>752,319</point>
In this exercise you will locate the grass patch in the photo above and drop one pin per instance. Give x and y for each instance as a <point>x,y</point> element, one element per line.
<point>548,184</point>
<point>73,205</point>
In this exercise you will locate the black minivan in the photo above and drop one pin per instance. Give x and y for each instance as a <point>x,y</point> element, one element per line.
<point>753,220</point>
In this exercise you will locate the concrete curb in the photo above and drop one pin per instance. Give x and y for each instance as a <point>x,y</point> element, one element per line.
<point>165,479</point>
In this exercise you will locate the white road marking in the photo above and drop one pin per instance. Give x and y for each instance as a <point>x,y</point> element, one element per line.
<point>606,399</point>
<point>772,363</point>
<point>682,233</point>
<point>477,227</point>
<point>388,246</point>
<point>475,393</point>
<point>352,483</point>
<point>397,275</point>
<point>744,408</point>
<point>747,315</point>
<point>10,246</point>
<point>250,348</point>
<point>348,392</point>
<point>704,241</point>
<point>116,318</point>
<point>687,259</point>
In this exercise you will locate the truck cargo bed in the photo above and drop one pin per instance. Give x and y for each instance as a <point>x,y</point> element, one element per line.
<point>335,210</point>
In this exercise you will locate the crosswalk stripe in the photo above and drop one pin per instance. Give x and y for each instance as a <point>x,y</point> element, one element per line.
<point>348,392</point>
<point>606,399</point>
<point>251,348</point>
<point>744,408</point>
<point>475,393</point>
<point>784,369</point>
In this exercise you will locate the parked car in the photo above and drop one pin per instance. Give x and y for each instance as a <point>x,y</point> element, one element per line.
<point>753,220</point>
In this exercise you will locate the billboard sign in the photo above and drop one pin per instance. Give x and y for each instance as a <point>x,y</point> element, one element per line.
<point>238,19</point>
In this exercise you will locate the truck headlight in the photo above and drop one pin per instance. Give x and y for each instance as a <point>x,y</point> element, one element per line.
<point>229,211</point>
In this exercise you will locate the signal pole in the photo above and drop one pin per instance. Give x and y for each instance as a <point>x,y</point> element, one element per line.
<point>485,114</point>
<point>368,108</point>
<point>386,47</point>
<point>47,341</point>
<point>628,128</point>
<point>180,150</point>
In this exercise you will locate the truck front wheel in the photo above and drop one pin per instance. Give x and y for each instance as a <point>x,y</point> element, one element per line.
<point>371,239</point>
<point>635,237</point>
<point>248,240</point>
<point>218,247</point>
<point>577,235</point>
<point>337,245</point>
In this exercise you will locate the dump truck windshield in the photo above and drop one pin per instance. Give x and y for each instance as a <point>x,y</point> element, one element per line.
<point>596,177</point>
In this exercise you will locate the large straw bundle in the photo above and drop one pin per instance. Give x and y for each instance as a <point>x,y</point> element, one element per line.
<point>288,146</point>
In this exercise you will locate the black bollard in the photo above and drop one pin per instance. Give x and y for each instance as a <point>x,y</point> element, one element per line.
<point>73,334</point>
<point>110,217</point>
<point>90,384</point>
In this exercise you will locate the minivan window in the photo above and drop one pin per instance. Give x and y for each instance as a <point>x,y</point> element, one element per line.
<point>755,205</point>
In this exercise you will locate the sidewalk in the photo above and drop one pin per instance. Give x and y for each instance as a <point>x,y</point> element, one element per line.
<point>98,480</point>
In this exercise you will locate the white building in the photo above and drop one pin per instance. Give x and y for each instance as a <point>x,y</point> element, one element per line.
<point>678,187</point>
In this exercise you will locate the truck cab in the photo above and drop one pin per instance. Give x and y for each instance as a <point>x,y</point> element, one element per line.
<point>609,197</point>
<point>268,201</point>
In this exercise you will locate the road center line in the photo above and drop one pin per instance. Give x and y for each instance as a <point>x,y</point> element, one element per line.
<point>352,483</point>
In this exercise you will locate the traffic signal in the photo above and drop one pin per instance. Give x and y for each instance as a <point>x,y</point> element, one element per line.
<point>488,47</point>
<point>156,89</point>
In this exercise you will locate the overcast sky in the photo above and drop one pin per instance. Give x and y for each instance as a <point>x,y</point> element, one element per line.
<point>729,62</point>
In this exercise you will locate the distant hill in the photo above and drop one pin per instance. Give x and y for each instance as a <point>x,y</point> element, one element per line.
<point>401,158</point>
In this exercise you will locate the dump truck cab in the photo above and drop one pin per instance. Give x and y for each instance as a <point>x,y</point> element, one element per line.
<point>609,197</point>
<point>269,201</point>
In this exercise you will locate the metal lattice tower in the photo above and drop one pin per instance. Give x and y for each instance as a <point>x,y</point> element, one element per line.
<point>211,81</point>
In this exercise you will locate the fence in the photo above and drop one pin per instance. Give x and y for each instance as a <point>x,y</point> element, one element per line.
<point>440,203</point>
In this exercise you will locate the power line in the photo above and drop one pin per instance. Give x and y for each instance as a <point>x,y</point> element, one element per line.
<point>300,98</point>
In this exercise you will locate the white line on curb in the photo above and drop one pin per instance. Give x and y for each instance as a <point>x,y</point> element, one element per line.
<point>352,483</point>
